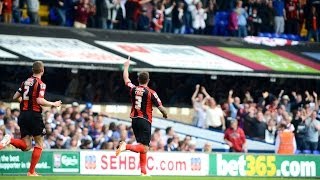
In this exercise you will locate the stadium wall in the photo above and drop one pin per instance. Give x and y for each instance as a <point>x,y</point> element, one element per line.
<point>183,164</point>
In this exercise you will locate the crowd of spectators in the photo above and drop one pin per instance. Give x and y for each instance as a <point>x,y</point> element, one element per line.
<point>74,129</point>
<point>257,111</point>
<point>260,118</point>
<point>211,17</point>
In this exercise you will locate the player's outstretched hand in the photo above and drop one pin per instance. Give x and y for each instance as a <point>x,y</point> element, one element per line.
<point>127,63</point>
<point>165,116</point>
<point>57,103</point>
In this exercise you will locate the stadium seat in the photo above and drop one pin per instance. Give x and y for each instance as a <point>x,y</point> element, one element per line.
<point>298,152</point>
<point>269,35</point>
<point>260,34</point>
<point>316,152</point>
<point>291,36</point>
<point>225,15</point>
<point>306,152</point>
<point>275,35</point>
<point>284,36</point>
<point>25,20</point>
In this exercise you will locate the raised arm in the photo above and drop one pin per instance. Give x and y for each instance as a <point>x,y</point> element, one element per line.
<point>194,95</point>
<point>307,96</point>
<point>294,94</point>
<point>315,95</point>
<point>126,71</point>
<point>230,99</point>
<point>204,91</point>
<point>280,94</point>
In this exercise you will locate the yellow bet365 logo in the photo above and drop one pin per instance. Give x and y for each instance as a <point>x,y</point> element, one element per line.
<point>261,165</point>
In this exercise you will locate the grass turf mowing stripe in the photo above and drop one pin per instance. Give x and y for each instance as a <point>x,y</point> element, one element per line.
<point>271,60</point>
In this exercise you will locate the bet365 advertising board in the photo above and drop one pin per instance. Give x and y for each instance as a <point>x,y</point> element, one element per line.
<point>264,165</point>
<point>161,163</point>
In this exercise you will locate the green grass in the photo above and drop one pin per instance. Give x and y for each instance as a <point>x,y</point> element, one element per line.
<point>139,177</point>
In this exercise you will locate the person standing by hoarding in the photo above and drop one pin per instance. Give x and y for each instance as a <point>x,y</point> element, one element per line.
<point>285,141</point>
<point>235,138</point>
<point>142,98</point>
<point>31,98</point>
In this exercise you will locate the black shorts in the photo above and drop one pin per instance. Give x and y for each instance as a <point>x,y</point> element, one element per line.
<point>142,130</point>
<point>31,124</point>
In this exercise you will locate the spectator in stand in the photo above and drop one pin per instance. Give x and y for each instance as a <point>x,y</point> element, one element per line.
<point>268,18</point>
<point>312,101</point>
<point>178,18</point>
<point>199,118</point>
<point>102,13</point>
<point>188,9</point>
<point>287,119</point>
<point>170,145</point>
<point>235,138</point>
<point>15,114</point>
<point>270,132</point>
<point>280,16</point>
<point>207,148</point>
<point>297,101</point>
<point>313,24</point>
<point>2,132</point>
<point>144,21</point>
<point>113,7</point>
<point>313,128</point>
<point>233,23</point>
<point>199,16</point>
<point>16,11</point>
<point>133,8</point>
<point>59,143</point>
<point>300,128</point>
<point>285,141</point>
<point>215,119</point>
<point>292,21</point>
<point>85,136</point>
<point>234,104</point>
<point>259,126</point>
<point>280,113</point>
<point>83,10</point>
<point>242,20</point>
<point>267,99</point>
<point>210,21</point>
<point>59,7</point>
<point>286,102</point>
<point>168,8</point>
<point>6,10</point>
<point>120,19</point>
<point>249,7</point>
<point>254,23</point>
<point>158,19</point>
<point>32,11</point>
<point>169,134</point>
<point>232,4</point>
<point>2,114</point>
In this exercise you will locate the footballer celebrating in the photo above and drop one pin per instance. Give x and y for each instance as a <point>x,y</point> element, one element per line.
<point>31,98</point>
<point>142,98</point>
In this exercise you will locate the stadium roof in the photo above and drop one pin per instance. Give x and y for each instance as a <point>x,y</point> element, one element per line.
<point>107,50</point>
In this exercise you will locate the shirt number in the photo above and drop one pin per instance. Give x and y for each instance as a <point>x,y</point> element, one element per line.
<point>25,93</point>
<point>138,102</point>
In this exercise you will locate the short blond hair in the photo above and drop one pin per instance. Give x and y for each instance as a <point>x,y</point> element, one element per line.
<point>37,67</point>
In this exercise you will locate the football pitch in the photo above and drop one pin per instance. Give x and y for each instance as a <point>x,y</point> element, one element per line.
<point>143,178</point>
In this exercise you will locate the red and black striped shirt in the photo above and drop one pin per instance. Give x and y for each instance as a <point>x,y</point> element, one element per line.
<point>30,90</point>
<point>142,99</point>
